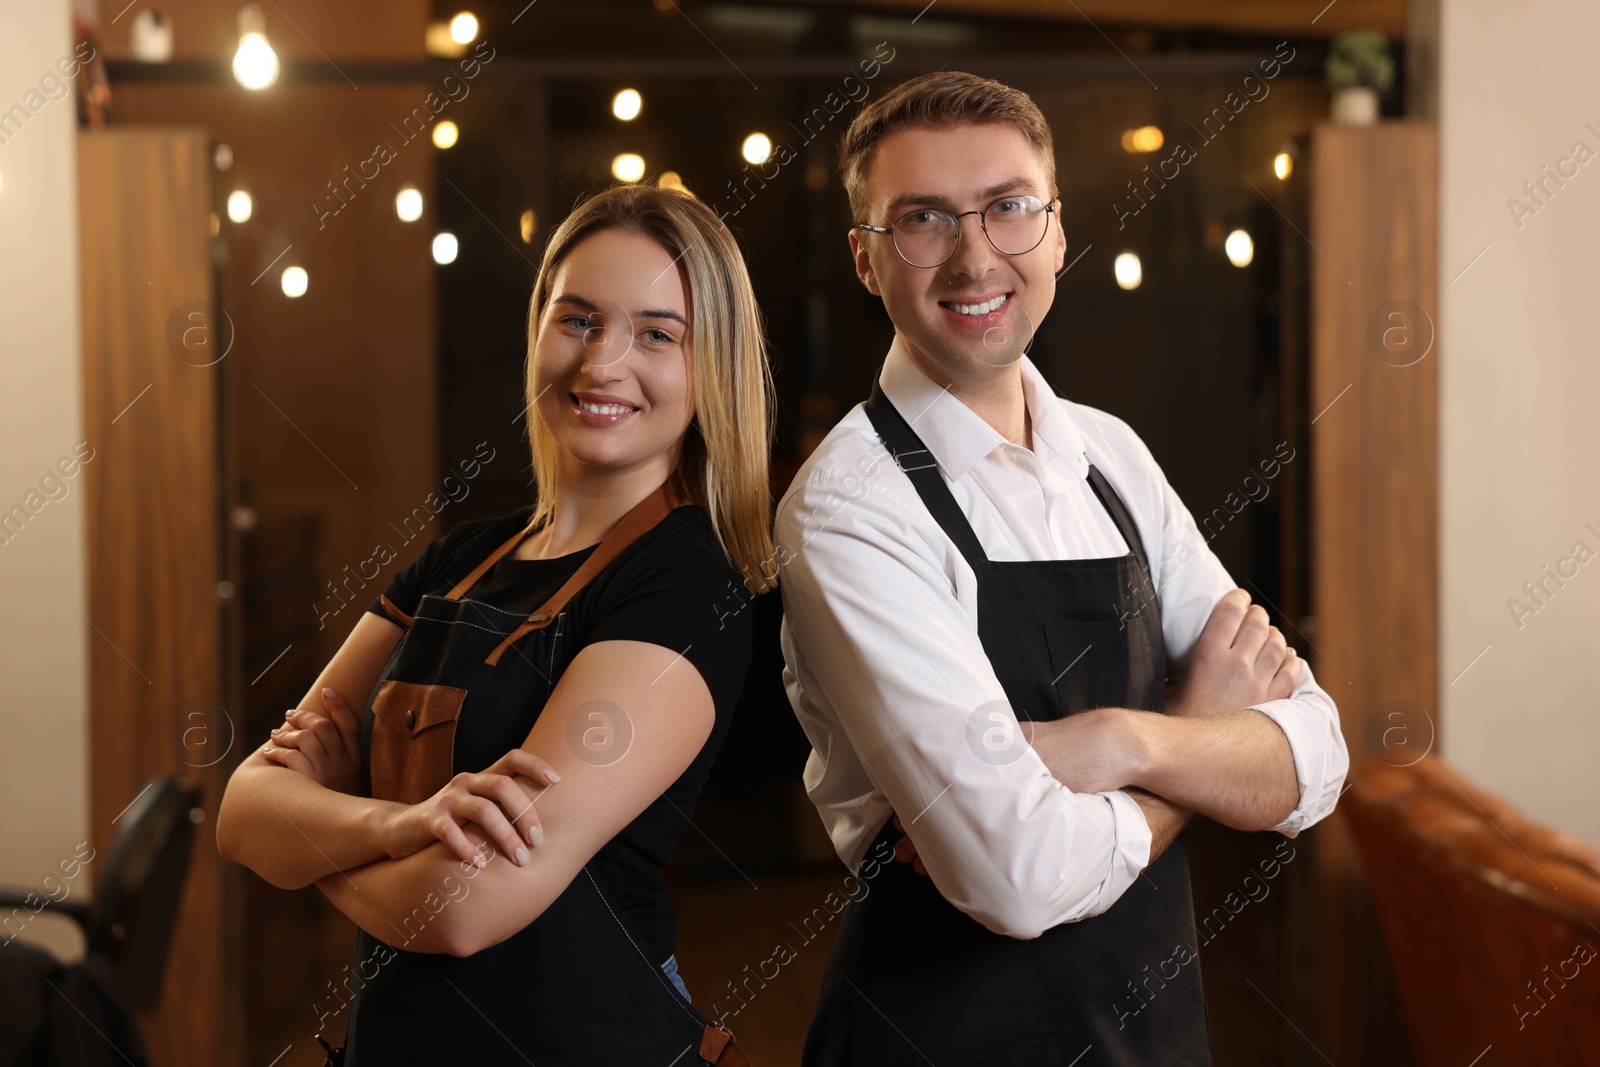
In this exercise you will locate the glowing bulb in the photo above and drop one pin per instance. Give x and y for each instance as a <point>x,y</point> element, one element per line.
<point>1129,272</point>
<point>1241,250</point>
<point>445,134</point>
<point>628,167</point>
<point>294,282</point>
<point>1283,165</point>
<point>444,248</point>
<point>529,223</point>
<point>408,203</point>
<point>627,104</point>
<point>255,64</point>
<point>464,27</point>
<point>671,179</point>
<point>239,206</point>
<point>1143,139</point>
<point>757,148</point>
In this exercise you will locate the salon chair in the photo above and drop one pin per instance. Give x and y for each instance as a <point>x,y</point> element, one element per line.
<point>90,1017</point>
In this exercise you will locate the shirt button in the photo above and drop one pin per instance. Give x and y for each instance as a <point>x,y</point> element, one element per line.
<point>411,719</point>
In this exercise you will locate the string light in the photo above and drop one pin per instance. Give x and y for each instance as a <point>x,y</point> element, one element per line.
<point>1143,139</point>
<point>445,247</point>
<point>255,64</point>
<point>627,104</point>
<point>628,167</point>
<point>464,27</point>
<point>1240,248</point>
<point>408,203</point>
<point>757,148</point>
<point>1128,270</point>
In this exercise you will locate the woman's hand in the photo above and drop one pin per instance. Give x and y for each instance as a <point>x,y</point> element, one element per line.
<point>324,748</point>
<point>491,798</point>
<point>1239,660</point>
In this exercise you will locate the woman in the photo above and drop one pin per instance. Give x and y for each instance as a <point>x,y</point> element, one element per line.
<point>549,687</point>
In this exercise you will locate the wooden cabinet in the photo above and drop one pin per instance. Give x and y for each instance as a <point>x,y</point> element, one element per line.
<point>191,595</point>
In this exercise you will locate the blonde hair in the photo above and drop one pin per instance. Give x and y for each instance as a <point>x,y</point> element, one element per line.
<point>936,101</point>
<point>724,460</point>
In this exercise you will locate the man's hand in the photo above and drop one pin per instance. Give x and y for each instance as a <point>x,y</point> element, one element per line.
<point>1238,661</point>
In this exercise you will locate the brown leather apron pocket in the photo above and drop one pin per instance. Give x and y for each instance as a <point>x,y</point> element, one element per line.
<point>413,739</point>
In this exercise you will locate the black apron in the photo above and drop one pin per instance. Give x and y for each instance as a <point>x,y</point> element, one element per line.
<point>912,979</point>
<point>575,986</point>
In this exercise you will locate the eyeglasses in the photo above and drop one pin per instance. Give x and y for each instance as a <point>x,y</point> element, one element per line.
<point>928,237</point>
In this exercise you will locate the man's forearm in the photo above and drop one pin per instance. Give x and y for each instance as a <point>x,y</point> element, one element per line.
<point>1166,819</point>
<point>1235,768</point>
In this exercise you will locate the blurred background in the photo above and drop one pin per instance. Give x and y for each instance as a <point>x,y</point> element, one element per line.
<point>263,309</point>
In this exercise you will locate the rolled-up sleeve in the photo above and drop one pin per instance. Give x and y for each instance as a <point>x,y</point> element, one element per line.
<point>1190,581</point>
<point>1310,721</point>
<point>892,685</point>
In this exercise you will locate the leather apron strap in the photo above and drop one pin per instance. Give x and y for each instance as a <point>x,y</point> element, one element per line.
<point>641,518</point>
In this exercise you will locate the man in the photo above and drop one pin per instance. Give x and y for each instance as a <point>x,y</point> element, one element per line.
<point>968,552</point>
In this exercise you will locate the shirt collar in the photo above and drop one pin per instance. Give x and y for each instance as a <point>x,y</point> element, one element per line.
<point>954,433</point>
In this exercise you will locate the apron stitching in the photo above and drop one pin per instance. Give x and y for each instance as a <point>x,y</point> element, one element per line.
<point>554,641</point>
<point>484,603</point>
<point>513,646</point>
<point>656,968</point>
<point>463,622</point>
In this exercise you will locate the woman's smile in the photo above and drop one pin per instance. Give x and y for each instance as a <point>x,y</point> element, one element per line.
<point>602,409</point>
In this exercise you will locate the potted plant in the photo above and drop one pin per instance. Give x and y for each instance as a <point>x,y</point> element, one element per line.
<point>1359,69</point>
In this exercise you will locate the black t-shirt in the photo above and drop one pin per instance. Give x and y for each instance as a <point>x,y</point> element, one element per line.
<point>672,587</point>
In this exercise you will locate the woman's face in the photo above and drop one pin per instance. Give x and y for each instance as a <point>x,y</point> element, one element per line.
<point>612,364</point>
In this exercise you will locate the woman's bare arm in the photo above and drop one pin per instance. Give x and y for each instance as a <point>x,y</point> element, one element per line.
<point>282,824</point>
<point>650,691</point>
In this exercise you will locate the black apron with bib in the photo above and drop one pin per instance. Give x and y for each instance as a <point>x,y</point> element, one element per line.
<point>912,979</point>
<point>575,986</point>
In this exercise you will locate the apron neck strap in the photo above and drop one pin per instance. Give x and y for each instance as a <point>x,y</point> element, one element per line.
<point>640,519</point>
<point>913,457</point>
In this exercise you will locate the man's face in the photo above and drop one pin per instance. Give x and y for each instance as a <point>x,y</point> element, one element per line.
<point>946,315</point>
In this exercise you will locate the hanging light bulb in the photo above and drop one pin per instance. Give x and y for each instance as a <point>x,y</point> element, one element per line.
<point>294,282</point>
<point>463,28</point>
<point>627,104</point>
<point>408,203</point>
<point>239,206</point>
<point>1128,270</point>
<point>757,148</point>
<point>255,64</point>
<point>445,247</point>
<point>1144,139</point>
<point>1240,248</point>
<point>628,167</point>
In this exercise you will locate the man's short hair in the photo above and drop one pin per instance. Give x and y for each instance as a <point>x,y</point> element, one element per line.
<point>937,101</point>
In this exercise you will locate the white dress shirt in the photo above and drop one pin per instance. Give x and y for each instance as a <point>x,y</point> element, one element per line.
<point>885,670</point>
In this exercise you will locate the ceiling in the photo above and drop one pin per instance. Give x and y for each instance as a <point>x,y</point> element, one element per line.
<point>1292,18</point>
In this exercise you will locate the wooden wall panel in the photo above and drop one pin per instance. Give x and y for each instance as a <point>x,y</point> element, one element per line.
<point>156,651</point>
<point>1373,518</point>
